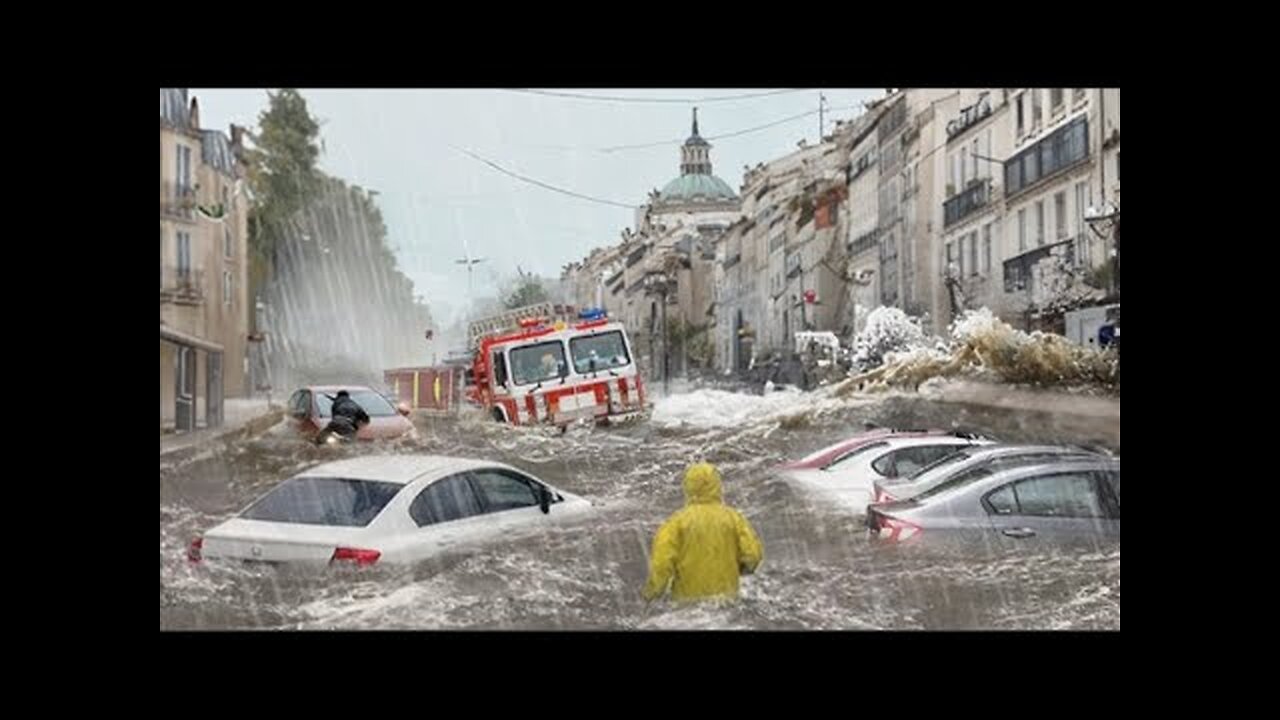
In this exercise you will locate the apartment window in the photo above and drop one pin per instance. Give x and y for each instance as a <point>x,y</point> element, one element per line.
<point>226,288</point>
<point>964,176</point>
<point>986,249</point>
<point>1078,95</point>
<point>1021,123</point>
<point>1055,100</point>
<point>1022,230</point>
<point>974,153</point>
<point>228,246</point>
<point>1035,107</point>
<point>183,178</point>
<point>184,253</point>
<point>226,198</point>
<point>1039,222</point>
<point>973,253</point>
<point>1060,215</point>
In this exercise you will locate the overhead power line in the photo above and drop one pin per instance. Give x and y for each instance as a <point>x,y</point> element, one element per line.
<point>793,118</point>
<point>620,98</point>
<point>541,184</point>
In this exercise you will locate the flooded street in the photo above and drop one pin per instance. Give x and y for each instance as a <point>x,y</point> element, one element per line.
<point>820,571</point>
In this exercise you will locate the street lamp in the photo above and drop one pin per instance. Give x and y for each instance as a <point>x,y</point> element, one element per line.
<point>470,262</point>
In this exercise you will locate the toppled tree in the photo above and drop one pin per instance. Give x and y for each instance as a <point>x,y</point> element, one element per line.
<point>984,347</point>
<point>888,330</point>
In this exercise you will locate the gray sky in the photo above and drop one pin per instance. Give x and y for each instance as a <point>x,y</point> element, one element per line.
<point>398,142</point>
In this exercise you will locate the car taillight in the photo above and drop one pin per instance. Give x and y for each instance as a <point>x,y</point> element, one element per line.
<point>361,557</point>
<point>895,530</point>
<point>194,550</point>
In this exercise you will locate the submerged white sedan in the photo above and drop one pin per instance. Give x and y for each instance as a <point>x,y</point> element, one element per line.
<point>845,473</point>
<point>397,508</point>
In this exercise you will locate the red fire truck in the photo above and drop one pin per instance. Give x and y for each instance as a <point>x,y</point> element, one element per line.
<point>543,364</point>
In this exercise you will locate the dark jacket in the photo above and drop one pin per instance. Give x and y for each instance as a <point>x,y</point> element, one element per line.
<point>350,409</point>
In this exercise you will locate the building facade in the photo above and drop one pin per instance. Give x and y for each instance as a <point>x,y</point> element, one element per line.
<point>204,313</point>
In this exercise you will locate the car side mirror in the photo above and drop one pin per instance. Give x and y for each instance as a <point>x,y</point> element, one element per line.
<point>544,499</point>
<point>403,408</point>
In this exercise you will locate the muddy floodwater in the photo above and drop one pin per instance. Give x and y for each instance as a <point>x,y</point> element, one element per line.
<point>820,569</point>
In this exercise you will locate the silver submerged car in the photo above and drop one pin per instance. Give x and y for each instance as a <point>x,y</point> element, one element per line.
<point>969,463</point>
<point>1065,500</point>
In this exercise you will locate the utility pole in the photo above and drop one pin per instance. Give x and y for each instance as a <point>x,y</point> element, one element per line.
<point>822,106</point>
<point>470,262</point>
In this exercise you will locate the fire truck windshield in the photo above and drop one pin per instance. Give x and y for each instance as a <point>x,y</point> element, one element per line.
<point>537,363</point>
<point>592,353</point>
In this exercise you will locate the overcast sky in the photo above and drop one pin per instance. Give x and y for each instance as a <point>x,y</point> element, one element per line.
<point>402,143</point>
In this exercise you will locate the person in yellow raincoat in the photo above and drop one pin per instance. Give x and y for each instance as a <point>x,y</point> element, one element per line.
<point>701,550</point>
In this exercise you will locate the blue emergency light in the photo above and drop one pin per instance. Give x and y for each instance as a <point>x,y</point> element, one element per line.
<point>591,314</point>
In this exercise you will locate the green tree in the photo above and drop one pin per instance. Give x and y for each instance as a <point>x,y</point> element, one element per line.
<point>528,290</point>
<point>282,175</point>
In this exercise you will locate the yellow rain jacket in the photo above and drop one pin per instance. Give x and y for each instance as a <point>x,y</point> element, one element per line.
<point>701,549</point>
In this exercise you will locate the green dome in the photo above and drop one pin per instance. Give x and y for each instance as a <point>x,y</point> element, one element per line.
<point>695,187</point>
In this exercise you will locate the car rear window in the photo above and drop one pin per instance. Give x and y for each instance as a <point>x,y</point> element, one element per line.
<point>324,501</point>
<point>944,460</point>
<point>1114,479</point>
<point>849,455</point>
<point>960,480</point>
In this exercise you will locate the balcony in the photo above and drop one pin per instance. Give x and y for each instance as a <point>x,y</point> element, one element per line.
<point>177,201</point>
<point>961,206</point>
<point>865,242</point>
<point>1018,270</point>
<point>181,285</point>
<point>1065,148</point>
<point>636,255</point>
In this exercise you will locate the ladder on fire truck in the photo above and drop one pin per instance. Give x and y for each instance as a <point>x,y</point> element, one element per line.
<point>510,320</point>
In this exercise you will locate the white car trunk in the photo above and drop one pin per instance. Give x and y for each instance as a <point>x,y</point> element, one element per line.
<point>266,541</point>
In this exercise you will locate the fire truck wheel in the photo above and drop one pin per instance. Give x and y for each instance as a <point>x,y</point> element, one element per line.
<point>497,415</point>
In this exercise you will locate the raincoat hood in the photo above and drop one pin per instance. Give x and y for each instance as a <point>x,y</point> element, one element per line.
<point>702,485</point>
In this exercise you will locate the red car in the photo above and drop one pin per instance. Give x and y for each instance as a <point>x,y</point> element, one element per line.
<point>309,410</point>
